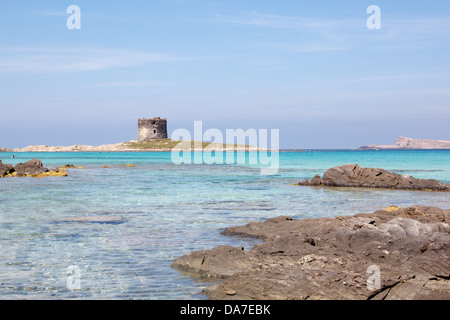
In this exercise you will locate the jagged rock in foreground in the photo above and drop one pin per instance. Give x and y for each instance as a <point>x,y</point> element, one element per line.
<point>334,258</point>
<point>353,175</point>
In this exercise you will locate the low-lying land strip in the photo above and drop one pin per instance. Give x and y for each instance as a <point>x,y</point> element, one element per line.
<point>152,145</point>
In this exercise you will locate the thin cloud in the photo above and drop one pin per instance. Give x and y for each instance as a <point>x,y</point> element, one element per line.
<point>57,59</point>
<point>318,35</point>
<point>388,77</point>
<point>413,25</point>
<point>284,22</point>
<point>50,13</point>
<point>397,33</point>
<point>133,84</point>
<point>48,60</point>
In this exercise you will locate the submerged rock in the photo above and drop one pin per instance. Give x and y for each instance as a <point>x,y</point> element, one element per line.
<point>67,166</point>
<point>353,175</point>
<point>70,166</point>
<point>388,254</point>
<point>96,219</point>
<point>51,173</point>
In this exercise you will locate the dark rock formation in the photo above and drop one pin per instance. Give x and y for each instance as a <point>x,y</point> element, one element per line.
<point>5,169</point>
<point>400,253</point>
<point>353,175</point>
<point>33,166</point>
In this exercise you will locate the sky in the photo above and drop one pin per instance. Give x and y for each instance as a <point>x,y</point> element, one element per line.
<point>312,69</point>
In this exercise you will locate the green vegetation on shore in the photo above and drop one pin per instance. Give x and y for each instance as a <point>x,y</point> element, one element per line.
<point>170,144</point>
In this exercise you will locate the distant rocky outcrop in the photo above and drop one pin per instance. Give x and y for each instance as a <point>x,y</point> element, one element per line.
<point>410,143</point>
<point>353,175</point>
<point>33,168</point>
<point>394,254</point>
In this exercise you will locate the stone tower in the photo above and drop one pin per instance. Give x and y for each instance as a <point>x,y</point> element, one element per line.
<point>150,129</point>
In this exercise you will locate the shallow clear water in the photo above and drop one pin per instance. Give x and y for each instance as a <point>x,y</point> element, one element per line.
<point>167,210</point>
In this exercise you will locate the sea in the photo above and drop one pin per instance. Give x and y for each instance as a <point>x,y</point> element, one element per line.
<point>53,246</point>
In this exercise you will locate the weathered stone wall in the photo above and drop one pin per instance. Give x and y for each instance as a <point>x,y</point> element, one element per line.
<point>153,128</point>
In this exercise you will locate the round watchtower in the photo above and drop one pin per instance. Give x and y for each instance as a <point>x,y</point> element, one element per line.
<point>151,129</point>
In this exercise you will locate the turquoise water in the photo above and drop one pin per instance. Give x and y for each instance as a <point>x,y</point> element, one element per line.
<point>167,210</point>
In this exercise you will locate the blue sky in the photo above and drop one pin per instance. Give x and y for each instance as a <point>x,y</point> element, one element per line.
<point>309,68</point>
